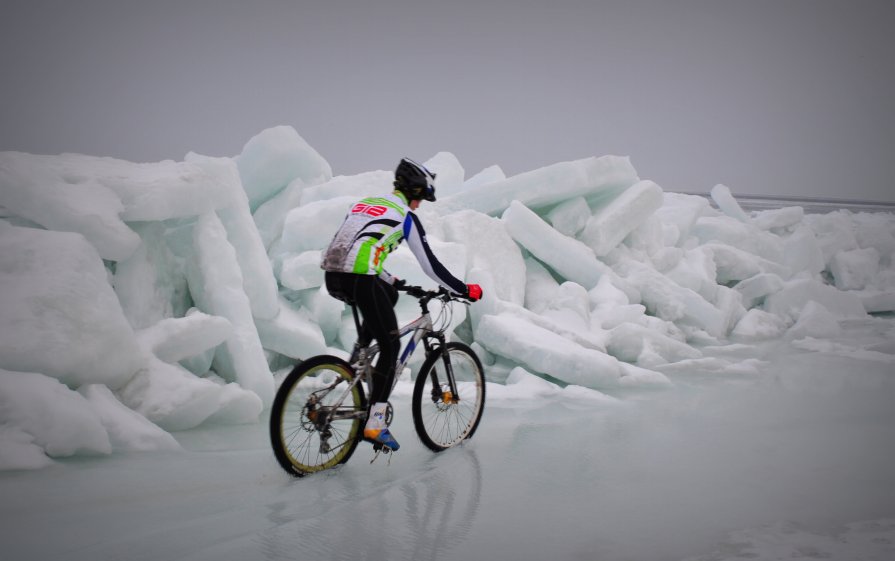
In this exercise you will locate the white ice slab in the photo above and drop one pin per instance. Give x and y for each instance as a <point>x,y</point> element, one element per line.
<point>567,256</point>
<point>569,217</point>
<point>669,301</point>
<point>727,203</point>
<point>275,157</point>
<point>789,302</point>
<point>176,339</point>
<point>855,269</point>
<point>540,350</point>
<point>32,187</point>
<point>611,223</point>
<point>291,333</point>
<point>544,187</point>
<point>312,226</point>
<point>488,246</point>
<point>257,274</point>
<point>60,421</point>
<point>215,281</point>
<point>301,271</point>
<point>127,429</point>
<point>367,184</point>
<point>58,314</point>
<point>449,174</point>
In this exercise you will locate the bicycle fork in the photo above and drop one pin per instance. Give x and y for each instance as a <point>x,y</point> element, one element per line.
<point>450,395</point>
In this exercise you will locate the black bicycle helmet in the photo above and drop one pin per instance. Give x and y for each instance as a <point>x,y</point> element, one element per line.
<point>415,181</point>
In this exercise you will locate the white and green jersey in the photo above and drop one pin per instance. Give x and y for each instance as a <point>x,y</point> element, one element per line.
<point>373,228</point>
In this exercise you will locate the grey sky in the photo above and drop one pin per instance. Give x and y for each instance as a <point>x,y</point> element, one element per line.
<point>791,97</point>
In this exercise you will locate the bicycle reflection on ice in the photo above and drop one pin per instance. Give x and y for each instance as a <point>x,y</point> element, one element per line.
<point>345,514</point>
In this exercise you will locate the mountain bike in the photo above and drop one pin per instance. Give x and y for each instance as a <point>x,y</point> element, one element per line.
<point>318,414</point>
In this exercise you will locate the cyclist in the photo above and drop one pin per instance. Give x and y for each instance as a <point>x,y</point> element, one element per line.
<point>354,273</point>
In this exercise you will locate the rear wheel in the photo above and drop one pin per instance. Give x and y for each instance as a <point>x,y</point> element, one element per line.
<point>317,417</point>
<point>442,417</point>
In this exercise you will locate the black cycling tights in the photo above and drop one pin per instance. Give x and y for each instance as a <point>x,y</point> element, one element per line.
<point>376,301</point>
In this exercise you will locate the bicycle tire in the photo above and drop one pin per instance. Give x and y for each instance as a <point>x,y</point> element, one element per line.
<point>295,437</point>
<point>441,419</point>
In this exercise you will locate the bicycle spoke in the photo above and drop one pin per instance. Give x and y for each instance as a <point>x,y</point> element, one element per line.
<point>314,419</point>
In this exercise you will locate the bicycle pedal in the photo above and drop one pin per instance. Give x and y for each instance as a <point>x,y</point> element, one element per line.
<point>382,450</point>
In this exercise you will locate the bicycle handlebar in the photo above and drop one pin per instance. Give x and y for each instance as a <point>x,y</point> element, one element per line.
<point>426,295</point>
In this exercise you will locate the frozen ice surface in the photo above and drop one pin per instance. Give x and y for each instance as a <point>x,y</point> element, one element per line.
<point>740,377</point>
<point>787,456</point>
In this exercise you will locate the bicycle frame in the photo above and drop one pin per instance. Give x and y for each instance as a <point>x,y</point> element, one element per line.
<point>362,354</point>
<point>361,357</point>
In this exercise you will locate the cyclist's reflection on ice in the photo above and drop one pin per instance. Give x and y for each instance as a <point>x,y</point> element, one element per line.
<point>346,514</point>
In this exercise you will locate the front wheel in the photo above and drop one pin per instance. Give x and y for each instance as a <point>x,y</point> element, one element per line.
<point>317,416</point>
<point>444,417</point>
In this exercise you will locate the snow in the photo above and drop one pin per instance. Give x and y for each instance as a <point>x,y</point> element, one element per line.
<point>147,304</point>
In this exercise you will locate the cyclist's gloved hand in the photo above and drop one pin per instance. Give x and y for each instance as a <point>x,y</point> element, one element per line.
<point>399,283</point>
<point>474,292</point>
